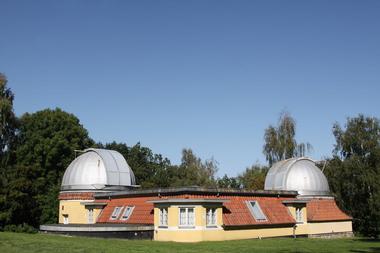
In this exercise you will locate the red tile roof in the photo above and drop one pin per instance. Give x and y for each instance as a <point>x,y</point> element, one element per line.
<point>238,214</point>
<point>325,210</point>
<point>235,212</point>
<point>142,212</point>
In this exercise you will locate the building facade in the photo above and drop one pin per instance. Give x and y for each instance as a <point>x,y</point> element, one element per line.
<point>296,201</point>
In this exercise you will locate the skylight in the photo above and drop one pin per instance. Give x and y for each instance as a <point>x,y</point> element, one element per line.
<point>127,212</point>
<point>116,212</point>
<point>256,211</point>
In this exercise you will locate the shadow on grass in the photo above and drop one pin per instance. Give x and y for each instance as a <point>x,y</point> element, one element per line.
<point>371,249</point>
<point>367,240</point>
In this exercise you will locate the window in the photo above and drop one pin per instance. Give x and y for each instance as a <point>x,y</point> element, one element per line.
<point>163,217</point>
<point>256,211</point>
<point>299,218</point>
<point>127,212</point>
<point>65,219</point>
<point>210,216</point>
<point>90,216</point>
<point>116,212</point>
<point>186,216</point>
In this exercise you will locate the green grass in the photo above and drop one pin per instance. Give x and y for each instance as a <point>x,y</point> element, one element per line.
<point>18,242</point>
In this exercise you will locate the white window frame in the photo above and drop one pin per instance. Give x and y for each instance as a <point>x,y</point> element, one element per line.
<point>299,215</point>
<point>129,210</point>
<point>255,209</point>
<point>189,223</point>
<point>116,212</point>
<point>90,215</point>
<point>211,216</point>
<point>163,217</point>
<point>66,219</point>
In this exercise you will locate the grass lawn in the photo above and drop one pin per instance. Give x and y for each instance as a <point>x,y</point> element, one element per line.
<point>17,242</point>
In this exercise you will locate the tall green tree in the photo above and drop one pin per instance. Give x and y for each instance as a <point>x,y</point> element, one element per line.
<point>8,120</point>
<point>8,126</point>
<point>354,172</point>
<point>280,142</point>
<point>46,143</point>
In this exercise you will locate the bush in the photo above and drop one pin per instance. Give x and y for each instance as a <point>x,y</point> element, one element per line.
<point>21,228</point>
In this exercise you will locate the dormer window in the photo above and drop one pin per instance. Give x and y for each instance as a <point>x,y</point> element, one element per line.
<point>210,217</point>
<point>299,217</point>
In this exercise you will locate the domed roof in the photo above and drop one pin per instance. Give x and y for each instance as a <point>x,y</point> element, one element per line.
<point>98,169</point>
<point>297,174</point>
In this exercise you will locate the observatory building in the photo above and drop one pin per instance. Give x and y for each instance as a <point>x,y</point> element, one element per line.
<point>94,171</point>
<point>99,197</point>
<point>297,174</point>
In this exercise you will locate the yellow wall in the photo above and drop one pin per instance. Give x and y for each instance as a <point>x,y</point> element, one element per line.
<point>77,212</point>
<point>329,227</point>
<point>202,233</point>
<point>258,233</point>
<point>196,235</point>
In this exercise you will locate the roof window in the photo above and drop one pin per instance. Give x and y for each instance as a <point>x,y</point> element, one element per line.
<point>116,212</point>
<point>127,212</point>
<point>256,211</point>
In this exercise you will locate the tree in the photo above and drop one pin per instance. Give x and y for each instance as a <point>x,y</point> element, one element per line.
<point>150,169</point>
<point>193,171</point>
<point>46,143</point>
<point>228,182</point>
<point>354,172</point>
<point>280,142</point>
<point>8,127</point>
<point>8,120</point>
<point>253,178</point>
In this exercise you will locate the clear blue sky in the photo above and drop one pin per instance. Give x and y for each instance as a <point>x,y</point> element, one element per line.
<point>208,75</point>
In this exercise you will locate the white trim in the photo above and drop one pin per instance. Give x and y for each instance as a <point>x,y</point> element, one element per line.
<point>163,217</point>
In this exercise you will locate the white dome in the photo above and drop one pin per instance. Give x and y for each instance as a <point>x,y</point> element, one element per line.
<point>98,169</point>
<point>297,174</point>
